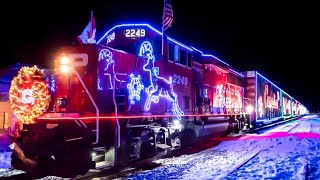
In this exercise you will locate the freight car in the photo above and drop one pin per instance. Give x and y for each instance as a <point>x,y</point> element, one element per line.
<point>270,103</point>
<point>135,94</point>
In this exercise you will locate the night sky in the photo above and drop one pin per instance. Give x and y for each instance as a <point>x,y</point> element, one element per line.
<point>280,40</point>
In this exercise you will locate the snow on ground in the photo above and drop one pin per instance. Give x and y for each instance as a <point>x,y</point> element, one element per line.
<point>5,151</point>
<point>271,155</point>
<point>5,156</point>
<point>290,152</point>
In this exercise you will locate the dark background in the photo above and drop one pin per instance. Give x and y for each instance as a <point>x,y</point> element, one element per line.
<point>280,40</point>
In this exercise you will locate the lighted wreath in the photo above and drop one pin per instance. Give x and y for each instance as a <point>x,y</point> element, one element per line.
<point>29,94</point>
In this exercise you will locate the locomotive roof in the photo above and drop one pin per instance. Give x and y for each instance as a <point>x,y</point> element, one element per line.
<point>188,47</point>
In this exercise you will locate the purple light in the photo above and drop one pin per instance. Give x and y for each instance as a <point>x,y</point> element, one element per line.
<point>180,44</point>
<point>135,86</point>
<point>106,55</point>
<point>268,81</point>
<point>190,48</point>
<point>155,92</point>
<point>235,72</point>
<point>209,55</point>
<point>292,99</point>
<point>155,30</point>
<point>256,96</point>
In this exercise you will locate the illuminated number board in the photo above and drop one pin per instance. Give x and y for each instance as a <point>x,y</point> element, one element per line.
<point>178,79</point>
<point>132,33</point>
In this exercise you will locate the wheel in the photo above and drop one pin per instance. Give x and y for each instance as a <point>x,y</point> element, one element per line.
<point>147,150</point>
<point>187,137</point>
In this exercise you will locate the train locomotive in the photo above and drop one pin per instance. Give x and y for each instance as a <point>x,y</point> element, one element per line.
<point>136,94</point>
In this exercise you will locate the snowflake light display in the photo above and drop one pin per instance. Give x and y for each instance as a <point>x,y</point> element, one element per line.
<point>135,87</point>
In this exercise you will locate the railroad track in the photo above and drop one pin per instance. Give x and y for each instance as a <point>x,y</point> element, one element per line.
<point>123,171</point>
<point>267,126</point>
<point>250,155</point>
<point>118,170</point>
<point>14,174</point>
<point>142,164</point>
<point>17,175</point>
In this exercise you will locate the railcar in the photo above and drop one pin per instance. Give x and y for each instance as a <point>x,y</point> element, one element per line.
<point>270,102</point>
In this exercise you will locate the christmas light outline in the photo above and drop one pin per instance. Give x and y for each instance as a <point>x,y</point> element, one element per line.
<point>98,84</point>
<point>191,48</point>
<point>260,107</point>
<point>106,54</point>
<point>149,26</point>
<point>154,93</point>
<point>52,83</point>
<point>257,73</point>
<point>220,95</point>
<point>269,101</point>
<point>135,86</point>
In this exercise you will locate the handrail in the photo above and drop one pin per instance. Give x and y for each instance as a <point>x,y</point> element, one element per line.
<point>94,103</point>
<point>116,107</point>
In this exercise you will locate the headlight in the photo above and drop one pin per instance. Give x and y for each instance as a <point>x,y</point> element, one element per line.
<point>61,102</point>
<point>176,124</point>
<point>249,109</point>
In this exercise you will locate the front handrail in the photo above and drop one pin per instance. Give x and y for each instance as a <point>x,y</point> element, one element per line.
<point>116,107</point>
<point>94,103</point>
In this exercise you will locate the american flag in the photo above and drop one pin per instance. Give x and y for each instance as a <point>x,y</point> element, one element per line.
<point>167,16</point>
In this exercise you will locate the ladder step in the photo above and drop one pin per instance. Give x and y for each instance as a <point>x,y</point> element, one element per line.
<point>103,164</point>
<point>163,146</point>
<point>100,148</point>
<point>98,158</point>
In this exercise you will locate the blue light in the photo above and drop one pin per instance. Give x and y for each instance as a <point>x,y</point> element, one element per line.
<point>268,80</point>
<point>124,25</point>
<point>209,55</point>
<point>52,84</point>
<point>106,55</point>
<point>135,87</point>
<point>164,90</point>
<point>197,50</point>
<point>190,48</point>
<point>233,71</point>
<point>158,32</point>
<point>180,44</point>
<point>98,85</point>
<point>273,84</point>
<point>277,87</point>
<point>256,96</point>
<point>155,30</point>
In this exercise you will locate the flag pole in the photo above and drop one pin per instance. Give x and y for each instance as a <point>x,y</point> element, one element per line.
<point>91,31</point>
<point>162,40</point>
